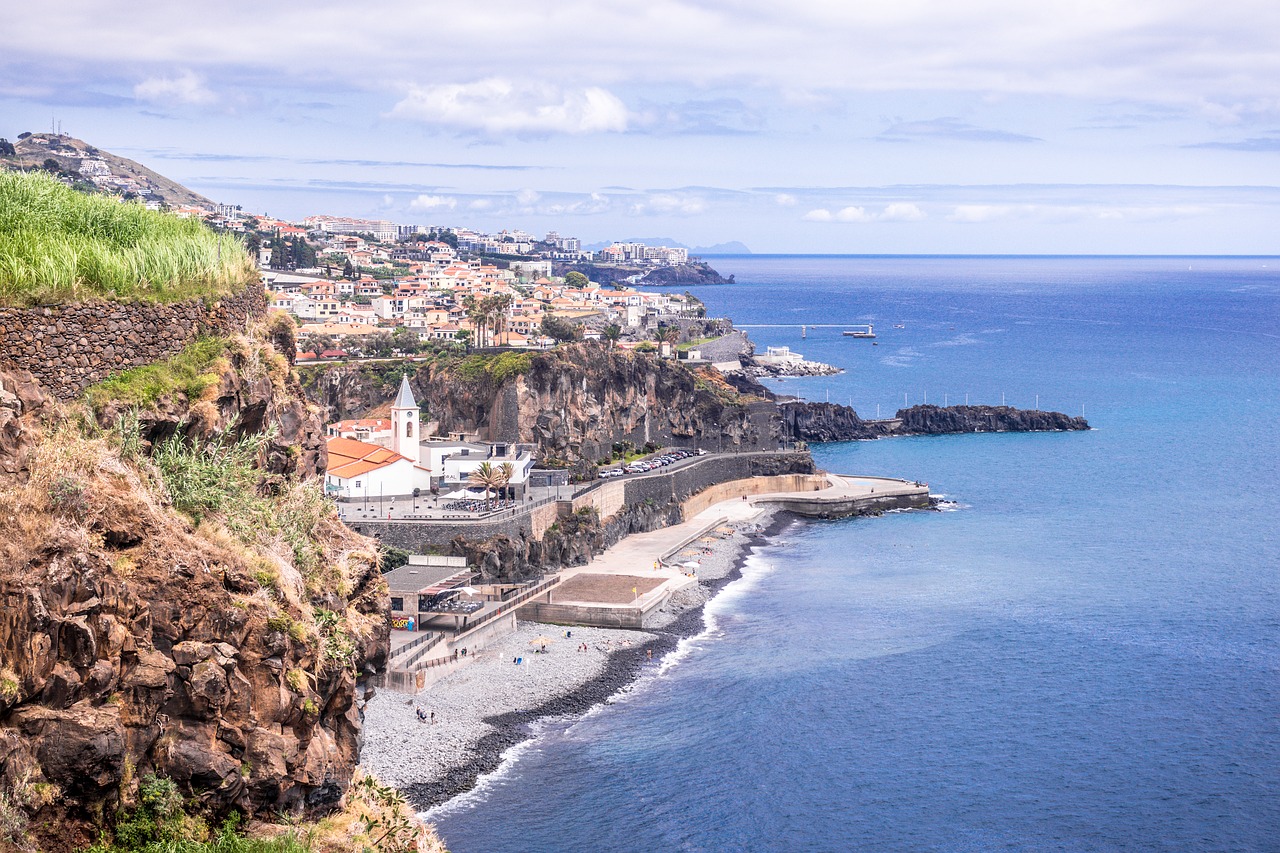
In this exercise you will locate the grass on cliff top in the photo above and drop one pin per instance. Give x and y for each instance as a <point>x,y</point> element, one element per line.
<point>192,371</point>
<point>58,245</point>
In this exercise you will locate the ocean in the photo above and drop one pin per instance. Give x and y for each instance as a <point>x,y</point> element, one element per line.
<point>1080,655</point>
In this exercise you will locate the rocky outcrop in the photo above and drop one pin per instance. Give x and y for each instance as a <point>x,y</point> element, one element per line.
<point>936,420</point>
<point>573,402</point>
<point>136,641</point>
<point>827,422</point>
<point>833,422</point>
<point>798,367</point>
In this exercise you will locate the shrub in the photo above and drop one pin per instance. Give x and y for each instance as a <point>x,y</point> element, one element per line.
<point>296,679</point>
<point>191,372</point>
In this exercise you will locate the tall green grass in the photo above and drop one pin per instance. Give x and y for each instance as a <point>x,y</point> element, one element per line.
<point>58,245</point>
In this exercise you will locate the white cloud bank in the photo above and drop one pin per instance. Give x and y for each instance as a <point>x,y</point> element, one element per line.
<point>433,202</point>
<point>897,212</point>
<point>497,105</point>
<point>187,89</point>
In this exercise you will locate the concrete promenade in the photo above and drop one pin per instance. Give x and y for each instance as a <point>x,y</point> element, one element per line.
<point>640,557</point>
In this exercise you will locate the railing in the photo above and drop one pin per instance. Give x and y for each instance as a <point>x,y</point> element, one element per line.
<point>408,663</point>
<point>506,607</point>
<point>413,644</point>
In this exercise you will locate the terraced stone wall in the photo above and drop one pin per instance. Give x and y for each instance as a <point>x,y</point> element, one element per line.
<point>70,347</point>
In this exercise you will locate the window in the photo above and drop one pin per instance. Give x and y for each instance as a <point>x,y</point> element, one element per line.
<point>408,429</point>
<point>397,603</point>
<point>357,484</point>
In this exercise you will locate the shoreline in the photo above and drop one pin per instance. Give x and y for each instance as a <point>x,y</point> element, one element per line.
<point>461,760</point>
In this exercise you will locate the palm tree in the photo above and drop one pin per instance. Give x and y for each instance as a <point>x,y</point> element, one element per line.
<point>487,476</point>
<point>478,315</point>
<point>505,471</point>
<point>667,335</point>
<point>495,308</point>
<point>611,334</point>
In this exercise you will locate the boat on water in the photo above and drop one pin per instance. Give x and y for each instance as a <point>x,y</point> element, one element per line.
<point>860,332</point>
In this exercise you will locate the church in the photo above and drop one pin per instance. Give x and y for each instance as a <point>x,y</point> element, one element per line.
<point>399,460</point>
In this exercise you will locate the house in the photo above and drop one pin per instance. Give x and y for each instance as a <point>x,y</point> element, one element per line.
<point>369,430</point>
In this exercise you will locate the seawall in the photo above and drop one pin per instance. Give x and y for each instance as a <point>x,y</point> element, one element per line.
<point>607,497</point>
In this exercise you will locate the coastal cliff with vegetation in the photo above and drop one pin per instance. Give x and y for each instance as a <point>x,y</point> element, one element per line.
<point>695,272</point>
<point>187,623</point>
<point>573,402</point>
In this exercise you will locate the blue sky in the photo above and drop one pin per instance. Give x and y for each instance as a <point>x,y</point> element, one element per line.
<point>1126,126</point>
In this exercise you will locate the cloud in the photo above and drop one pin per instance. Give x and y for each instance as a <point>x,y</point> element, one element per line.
<point>670,203</point>
<point>1066,213</point>
<point>896,212</point>
<point>433,202</point>
<point>949,128</point>
<point>187,89</point>
<point>785,200</point>
<point>497,105</point>
<point>1257,143</point>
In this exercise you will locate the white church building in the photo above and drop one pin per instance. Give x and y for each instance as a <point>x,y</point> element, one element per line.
<point>360,470</point>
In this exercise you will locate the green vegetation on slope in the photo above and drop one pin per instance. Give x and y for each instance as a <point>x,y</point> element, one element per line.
<point>58,245</point>
<point>191,371</point>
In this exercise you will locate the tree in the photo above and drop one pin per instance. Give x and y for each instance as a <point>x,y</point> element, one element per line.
<point>51,165</point>
<point>495,312</point>
<point>465,337</point>
<point>667,335</point>
<point>486,476</point>
<point>378,344</point>
<point>612,333</point>
<point>348,271</point>
<point>559,328</point>
<point>573,278</point>
<point>6,148</point>
<point>478,316</point>
<point>406,340</point>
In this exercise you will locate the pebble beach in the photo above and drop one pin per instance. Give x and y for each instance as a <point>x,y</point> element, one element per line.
<point>485,707</point>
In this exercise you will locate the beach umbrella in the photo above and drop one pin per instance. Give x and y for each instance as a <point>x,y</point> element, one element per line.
<point>541,641</point>
<point>691,565</point>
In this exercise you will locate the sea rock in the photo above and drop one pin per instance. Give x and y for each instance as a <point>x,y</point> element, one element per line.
<point>832,422</point>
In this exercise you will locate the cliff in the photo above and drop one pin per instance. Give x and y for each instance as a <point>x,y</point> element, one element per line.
<point>573,402</point>
<point>832,422</point>
<point>693,273</point>
<point>180,600</point>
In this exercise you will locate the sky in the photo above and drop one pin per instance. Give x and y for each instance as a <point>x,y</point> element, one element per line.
<point>833,126</point>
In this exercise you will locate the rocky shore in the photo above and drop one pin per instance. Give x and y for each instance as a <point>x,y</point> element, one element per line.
<point>487,706</point>
<point>791,368</point>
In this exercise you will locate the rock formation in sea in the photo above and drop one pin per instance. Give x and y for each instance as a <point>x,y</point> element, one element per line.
<point>833,422</point>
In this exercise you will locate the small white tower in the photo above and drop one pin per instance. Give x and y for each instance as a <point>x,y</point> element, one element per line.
<point>404,422</point>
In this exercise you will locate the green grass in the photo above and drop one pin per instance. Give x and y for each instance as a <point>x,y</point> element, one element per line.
<point>685,347</point>
<point>192,371</point>
<point>58,245</point>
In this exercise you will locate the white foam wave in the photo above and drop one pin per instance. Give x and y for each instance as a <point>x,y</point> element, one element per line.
<point>484,784</point>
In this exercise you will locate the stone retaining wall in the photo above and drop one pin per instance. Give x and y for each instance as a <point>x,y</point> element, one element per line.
<point>70,347</point>
<point>670,487</point>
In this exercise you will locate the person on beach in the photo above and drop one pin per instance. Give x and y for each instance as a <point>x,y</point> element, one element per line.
<point>433,718</point>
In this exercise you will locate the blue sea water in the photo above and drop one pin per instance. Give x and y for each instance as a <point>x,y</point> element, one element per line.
<point>1081,656</point>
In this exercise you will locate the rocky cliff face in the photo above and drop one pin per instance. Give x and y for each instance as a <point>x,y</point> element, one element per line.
<point>136,639</point>
<point>833,422</point>
<point>573,402</point>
